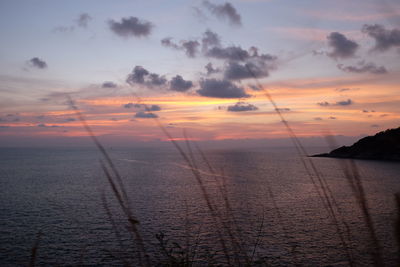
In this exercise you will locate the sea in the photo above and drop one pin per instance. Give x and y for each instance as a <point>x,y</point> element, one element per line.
<point>264,206</point>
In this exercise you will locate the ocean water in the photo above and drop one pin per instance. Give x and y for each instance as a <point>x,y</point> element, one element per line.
<point>264,197</point>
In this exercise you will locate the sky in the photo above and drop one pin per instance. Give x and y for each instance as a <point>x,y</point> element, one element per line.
<point>206,70</point>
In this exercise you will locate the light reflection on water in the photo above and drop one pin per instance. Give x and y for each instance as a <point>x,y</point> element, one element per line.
<point>58,192</point>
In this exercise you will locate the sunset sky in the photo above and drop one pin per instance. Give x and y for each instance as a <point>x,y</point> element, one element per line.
<point>203,66</point>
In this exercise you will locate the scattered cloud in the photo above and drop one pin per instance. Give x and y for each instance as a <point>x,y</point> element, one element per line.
<point>238,71</point>
<point>344,102</point>
<point>143,107</point>
<point>210,39</point>
<point>228,53</point>
<point>132,105</point>
<point>210,69</point>
<point>167,42</point>
<point>131,26</point>
<point>342,47</point>
<point>145,115</point>
<point>154,108</point>
<point>242,106</point>
<point>140,75</point>
<point>283,109</point>
<point>190,48</point>
<point>220,89</point>
<point>338,103</point>
<point>137,76</point>
<point>37,63</point>
<point>363,67</point>
<point>177,83</point>
<point>224,11</point>
<point>83,20</point>
<point>255,87</point>
<point>384,38</point>
<point>323,104</point>
<point>318,119</point>
<point>341,90</point>
<point>108,84</point>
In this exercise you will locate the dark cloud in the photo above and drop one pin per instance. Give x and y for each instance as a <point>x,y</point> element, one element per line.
<point>210,69</point>
<point>375,126</point>
<point>255,87</point>
<point>282,109</point>
<point>177,83</point>
<point>241,106</point>
<point>332,118</point>
<point>142,76</point>
<point>131,105</point>
<point>318,119</point>
<point>344,102</point>
<point>363,67</point>
<point>143,107</point>
<point>42,125</point>
<point>224,11</point>
<point>346,89</point>
<point>190,47</point>
<point>83,20</point>
<point>131,26</point>
<point>154,108</point>
<point>108,85</point>
<point>137,76</point>
<point>210,39</point>
<point>167,42</point>
<point>238,71</point>
<point>145,115</point>
<point>338,103</point>
<point>156,80</point>
<point>323,104</point>
<point>342,47</point>
<point>228,53</point>
<point>69,119</point>
<point>220,89</point>
<point>37,63</point>
<point>254,65</point>
<point>384,38</point>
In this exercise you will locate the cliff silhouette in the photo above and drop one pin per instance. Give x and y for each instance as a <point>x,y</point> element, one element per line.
<point>384,145</point>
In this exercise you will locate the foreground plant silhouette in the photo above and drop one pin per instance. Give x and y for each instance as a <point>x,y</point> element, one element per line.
<point>176,253</point>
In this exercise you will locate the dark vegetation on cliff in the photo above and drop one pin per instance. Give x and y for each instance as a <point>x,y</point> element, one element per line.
<point>384,145</point>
